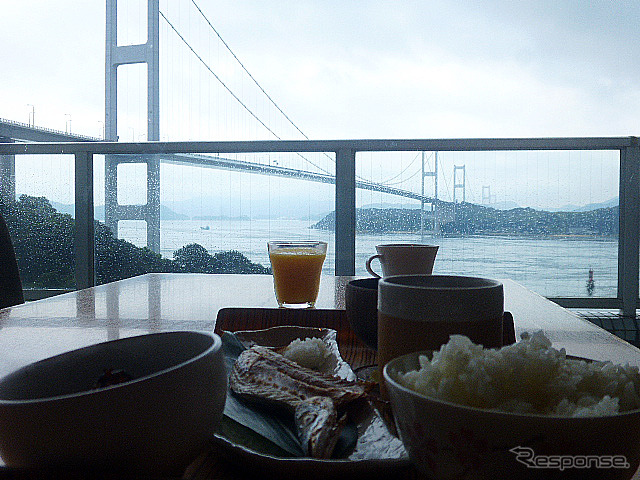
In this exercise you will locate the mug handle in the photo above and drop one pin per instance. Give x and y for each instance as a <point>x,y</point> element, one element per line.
<point>368,265</point>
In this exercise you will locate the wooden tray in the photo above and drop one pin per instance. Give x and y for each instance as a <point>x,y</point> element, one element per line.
<point>222,466</point>
<point>355,352</point>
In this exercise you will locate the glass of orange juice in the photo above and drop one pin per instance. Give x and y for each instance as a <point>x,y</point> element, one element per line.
<point>296,270</point>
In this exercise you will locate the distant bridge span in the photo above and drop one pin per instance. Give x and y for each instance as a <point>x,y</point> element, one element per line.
<point>16,131</point>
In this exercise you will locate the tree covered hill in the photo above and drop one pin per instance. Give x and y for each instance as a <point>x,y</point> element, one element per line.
<point>43,240</point>
<point>471,219</point>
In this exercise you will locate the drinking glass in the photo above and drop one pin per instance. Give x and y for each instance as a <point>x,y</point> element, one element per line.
<point>296,267</point>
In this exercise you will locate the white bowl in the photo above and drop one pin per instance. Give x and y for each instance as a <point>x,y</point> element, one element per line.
<point>52,414</point>
<point>447,440</point>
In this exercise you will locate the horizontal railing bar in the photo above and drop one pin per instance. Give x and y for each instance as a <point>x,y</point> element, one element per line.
<point>267,146</point>
<point>588,302</point>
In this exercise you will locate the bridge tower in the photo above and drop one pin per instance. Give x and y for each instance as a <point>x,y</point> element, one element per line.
<point>433,174</point>
<point>486,194</point>
<point>459,182</point>
<point>116,55</point>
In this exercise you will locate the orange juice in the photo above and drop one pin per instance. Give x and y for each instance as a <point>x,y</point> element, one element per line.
<point>296,273</point>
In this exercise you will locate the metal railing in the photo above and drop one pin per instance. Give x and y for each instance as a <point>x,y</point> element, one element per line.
<point>345,190</point>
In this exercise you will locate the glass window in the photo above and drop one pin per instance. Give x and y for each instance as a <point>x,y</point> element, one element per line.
<point>547,219</point>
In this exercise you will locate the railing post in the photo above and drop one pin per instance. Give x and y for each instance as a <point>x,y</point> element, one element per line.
<point>345,221</point>
<point>628,246</point>
<point>152,208</point>
<point>85,231</point>
<point>7,175</point>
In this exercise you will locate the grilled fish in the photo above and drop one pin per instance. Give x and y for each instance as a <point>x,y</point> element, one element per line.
<point>264,376</point>
<point>318,426</point>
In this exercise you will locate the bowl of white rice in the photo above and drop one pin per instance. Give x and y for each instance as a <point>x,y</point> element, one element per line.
<point>526,410</point>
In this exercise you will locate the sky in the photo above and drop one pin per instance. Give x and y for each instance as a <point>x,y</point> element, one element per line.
<point>343,69</point>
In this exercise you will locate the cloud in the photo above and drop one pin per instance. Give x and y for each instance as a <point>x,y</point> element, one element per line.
<point>350,69</point>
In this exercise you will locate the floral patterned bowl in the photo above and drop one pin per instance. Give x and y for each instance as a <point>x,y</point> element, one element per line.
<point>451,441</point>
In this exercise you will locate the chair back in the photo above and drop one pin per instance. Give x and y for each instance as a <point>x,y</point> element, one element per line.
<point>10,284</point>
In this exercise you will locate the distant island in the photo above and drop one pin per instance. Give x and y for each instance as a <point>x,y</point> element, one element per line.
<point>165,212</point>
<point>471,219</point>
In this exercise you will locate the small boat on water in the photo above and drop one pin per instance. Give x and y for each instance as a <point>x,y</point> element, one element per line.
<point>205,228</point>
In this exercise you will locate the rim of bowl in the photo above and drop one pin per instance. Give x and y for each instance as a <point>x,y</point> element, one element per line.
<point>363,283</point>
<point>391,365</point>
<point>481,282</point>
<point>216,345</point>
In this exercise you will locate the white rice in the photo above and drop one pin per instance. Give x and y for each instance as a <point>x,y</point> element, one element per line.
<point>527,377</point>
<point>310,352</point>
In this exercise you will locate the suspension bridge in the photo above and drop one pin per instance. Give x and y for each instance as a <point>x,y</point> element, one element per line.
<point>16,131</point>
<point>149,54</point>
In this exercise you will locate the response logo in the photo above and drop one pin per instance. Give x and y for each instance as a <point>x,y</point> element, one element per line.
<point>527,456</point>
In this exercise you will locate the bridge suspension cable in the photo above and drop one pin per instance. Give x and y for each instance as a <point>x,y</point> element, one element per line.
<point>273,102</point>
<point>217,77</point>
<point>264,92</point>
<point>184,40</point>
<point>413,175</point>
<point>257,83</point>
<point>247,71</point>
<point>388,181</point>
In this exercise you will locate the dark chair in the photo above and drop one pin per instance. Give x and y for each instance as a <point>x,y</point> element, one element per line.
<point>10,284</point>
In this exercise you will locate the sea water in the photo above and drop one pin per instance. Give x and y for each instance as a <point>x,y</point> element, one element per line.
<point>550,266</point>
